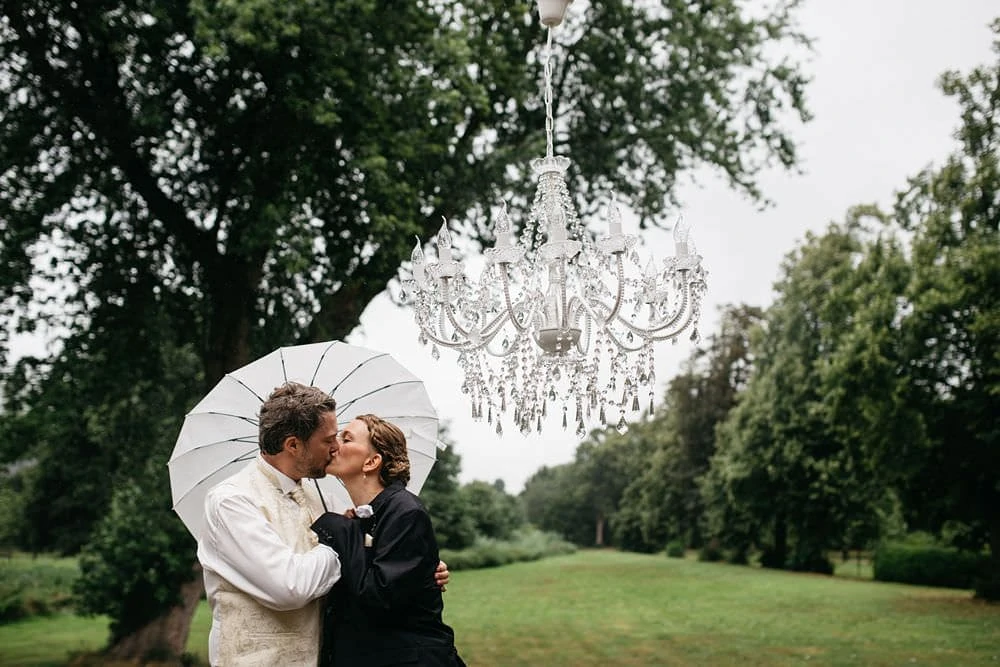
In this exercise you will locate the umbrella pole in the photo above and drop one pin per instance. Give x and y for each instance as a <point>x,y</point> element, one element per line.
<point>321,498</point>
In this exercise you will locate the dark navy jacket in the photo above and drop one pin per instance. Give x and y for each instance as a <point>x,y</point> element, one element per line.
<point>386,608</point>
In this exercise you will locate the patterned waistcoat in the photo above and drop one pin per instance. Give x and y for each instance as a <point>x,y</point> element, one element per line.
<point>250,634</point>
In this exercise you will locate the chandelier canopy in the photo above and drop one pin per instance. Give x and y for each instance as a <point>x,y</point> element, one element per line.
<point>558,318</point>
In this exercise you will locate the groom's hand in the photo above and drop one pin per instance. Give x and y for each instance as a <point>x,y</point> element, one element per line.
<point>441,575</point>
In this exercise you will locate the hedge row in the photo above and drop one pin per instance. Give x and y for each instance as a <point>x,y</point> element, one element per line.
<point>528,545</point>
<point>927,565</point>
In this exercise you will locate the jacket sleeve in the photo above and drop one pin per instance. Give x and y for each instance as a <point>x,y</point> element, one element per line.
<point>401,562</point>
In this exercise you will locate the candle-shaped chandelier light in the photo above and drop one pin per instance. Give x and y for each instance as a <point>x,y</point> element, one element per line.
<point>558,319</point>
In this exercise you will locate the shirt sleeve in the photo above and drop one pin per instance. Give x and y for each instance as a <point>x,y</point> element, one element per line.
<point>242,547</point>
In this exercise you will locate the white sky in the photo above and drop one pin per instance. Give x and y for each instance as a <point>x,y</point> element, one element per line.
<point>878,118</point>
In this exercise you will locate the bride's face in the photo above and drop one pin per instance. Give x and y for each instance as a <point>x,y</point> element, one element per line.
<point>355,451</point>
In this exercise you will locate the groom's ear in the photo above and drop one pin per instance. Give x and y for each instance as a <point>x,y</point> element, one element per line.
<point>290,444</point>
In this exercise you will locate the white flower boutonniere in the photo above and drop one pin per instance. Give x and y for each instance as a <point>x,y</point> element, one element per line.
<point>364,512</point>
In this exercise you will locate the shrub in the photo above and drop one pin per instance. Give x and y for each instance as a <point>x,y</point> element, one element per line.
<point>812,562</point>
<point>711,552</point>
<point>526,545</point>
<point>675,549</point>
<point>35,586</point>
<point>927,565</point>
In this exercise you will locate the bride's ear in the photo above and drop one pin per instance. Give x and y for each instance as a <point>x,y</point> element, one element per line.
<point>373,463</point>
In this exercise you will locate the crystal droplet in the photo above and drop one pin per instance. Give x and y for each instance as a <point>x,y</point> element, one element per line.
<point>581,430</point>
<point>435,353</point>
<point>603,418</point>
<point>539,427</point>
<point>635,402</point>
<point>422,338</point>
<point>565,424</point>
<point>622,427</point>
<point>499,428</point>
<point>489,415</point>
<point>545,408</point>
<point>652,377</point>
<point>651,403</point>
<point>556,374</point>
<point>630,337</point>
<point>525,428</point>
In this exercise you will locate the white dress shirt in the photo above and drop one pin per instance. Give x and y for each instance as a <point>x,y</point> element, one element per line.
<point>240,546</point>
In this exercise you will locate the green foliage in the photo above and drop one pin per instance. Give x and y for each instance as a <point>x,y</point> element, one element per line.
<point>494,513</point>
<point>553,502</point>
<point>524,545</point>
<point>953,324</point>
<point>140,554</point>
<point>665,500</point>
<point>34,586</point>
<point>12,504</point>
<point>823,428</point>
<point>927,565</point>
<point>711,552</point>
<point>454,528</point>
<point>676,549</point>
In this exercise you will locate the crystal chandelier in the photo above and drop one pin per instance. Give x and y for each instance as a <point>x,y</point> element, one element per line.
<point>557,319</point>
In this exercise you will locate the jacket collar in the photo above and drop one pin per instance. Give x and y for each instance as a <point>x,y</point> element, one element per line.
<point>384,495</point>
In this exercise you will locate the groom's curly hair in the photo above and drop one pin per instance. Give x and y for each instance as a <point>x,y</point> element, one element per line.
<point>390,443</point>
<point>292,409</point>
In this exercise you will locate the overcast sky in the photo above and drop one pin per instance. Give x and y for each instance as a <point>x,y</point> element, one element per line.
<point>878,118</point>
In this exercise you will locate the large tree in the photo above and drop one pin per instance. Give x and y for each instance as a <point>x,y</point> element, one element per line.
<point>823,428</point>
<point>252,173</point>
<point>953,319</point>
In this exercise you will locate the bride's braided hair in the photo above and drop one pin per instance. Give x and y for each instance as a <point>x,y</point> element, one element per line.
<point>390,443</point>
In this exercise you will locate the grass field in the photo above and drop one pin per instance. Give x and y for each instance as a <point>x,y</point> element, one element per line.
<point>606,607</point>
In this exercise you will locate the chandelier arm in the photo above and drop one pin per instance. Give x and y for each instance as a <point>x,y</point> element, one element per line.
<point>447,308</point>
<point>440,341</point>
<point>653,332</point>
<point>506,294</point>
<point>582,344</point>
<point>596,317</point>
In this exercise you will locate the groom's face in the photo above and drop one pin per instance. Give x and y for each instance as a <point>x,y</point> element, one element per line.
<point>315,453</point>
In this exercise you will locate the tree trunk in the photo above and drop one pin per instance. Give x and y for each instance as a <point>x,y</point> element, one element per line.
<point>599,531</point>
<point>165,638</point>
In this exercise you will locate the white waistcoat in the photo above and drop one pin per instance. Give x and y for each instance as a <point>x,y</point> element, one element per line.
<point>248,634</point>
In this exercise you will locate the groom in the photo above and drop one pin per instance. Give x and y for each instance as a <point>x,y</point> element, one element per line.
<point>265,572</point>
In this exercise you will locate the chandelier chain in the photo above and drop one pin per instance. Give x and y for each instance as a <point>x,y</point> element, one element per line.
<point>549,121</point>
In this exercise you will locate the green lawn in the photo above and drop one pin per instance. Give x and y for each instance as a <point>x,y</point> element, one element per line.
<point>605,607</point>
